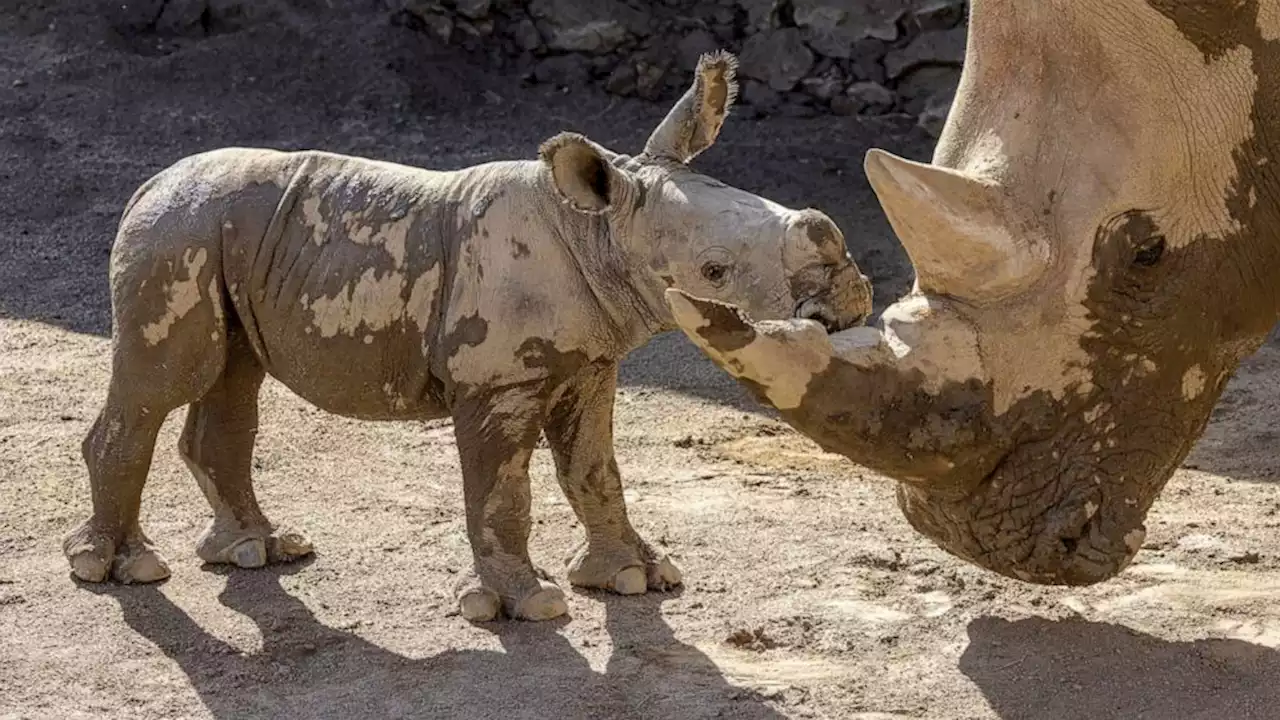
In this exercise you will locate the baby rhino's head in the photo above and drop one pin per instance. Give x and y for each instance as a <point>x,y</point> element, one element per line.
<point>694,233</point>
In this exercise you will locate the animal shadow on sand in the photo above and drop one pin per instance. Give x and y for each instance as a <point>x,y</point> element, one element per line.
<point>1036,669</point>
<point>307,669</point>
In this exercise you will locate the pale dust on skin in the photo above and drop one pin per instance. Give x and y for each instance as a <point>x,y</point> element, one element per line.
<point>312,216</point>
<point>181,297</point>
<point>392,237</point>
<point>1193,382</point>
<point>422,297</point>
<point>1269,20</point>
<point>373,302</point>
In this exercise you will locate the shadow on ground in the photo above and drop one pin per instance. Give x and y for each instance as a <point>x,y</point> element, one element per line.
<point>1035,669</point>
<point>308,669</point>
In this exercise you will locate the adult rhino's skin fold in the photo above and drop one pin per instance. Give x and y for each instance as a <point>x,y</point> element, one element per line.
<point>1095,245</point>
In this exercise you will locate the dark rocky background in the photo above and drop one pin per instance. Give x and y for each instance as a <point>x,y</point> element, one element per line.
<point>799,57</point>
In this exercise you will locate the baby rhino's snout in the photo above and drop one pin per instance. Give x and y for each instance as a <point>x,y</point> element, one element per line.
<point>839,296</point>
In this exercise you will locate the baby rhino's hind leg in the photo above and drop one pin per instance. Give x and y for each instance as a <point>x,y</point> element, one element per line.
<point>217,445</point>
<point>168,347</point>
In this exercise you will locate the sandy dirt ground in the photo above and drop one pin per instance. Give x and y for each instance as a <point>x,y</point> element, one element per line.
<point>808,596</point>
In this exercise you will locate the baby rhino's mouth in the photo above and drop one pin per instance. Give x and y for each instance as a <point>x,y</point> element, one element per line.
<point>815,309</point>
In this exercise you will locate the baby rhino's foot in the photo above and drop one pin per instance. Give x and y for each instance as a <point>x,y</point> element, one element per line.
<point>624,569</point>
<point>229,543</point>
<point>535,599</point>
<point>95,556</point>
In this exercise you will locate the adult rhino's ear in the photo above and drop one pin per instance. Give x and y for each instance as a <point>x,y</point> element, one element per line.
<point>694,123</point>
<point>582,173</point>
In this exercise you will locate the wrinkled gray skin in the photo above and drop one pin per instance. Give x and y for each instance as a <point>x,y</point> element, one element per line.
<point>1096,245</point>
<point>503,295</point>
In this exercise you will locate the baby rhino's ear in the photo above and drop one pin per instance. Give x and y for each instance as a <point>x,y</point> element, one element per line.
<point>582,173</point>
<point>694,123</point>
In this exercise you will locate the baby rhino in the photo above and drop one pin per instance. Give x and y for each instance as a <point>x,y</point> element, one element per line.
<point>503,295</point>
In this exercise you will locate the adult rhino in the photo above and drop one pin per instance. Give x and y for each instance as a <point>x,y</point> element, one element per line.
<point>1096,248</point>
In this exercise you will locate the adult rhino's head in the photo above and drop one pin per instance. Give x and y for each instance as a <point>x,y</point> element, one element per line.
<point>1096,245</point>
<point>695,233</point>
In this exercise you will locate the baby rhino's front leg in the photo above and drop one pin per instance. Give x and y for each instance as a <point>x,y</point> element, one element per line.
<point>496,433</point>
<point>580,432</point>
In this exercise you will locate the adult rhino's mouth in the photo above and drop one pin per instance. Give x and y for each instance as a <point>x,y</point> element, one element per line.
<point>1079,539</point>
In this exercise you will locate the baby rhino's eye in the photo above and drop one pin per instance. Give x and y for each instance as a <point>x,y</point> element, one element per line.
<point>715,273</point>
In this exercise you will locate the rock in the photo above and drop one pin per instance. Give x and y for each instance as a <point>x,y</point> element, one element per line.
<point>934,116</point>
<point>692,47</point>
<point>1244,557</point>
<point>525,34</point>
<point>942,47</point>
<point>937,14</point>
<point>864,98</point>
<point>622,81</point>
<point>760,96</point>
<point>475,28</point>
<point>824,86</point>
<point>473,9</point>
<point>924,568</point>
<point>649,77</point>
<point>918,88</point>
<point>438,26</point>
<point>588,25</point>
<point>761,14</point>
<point>778,58</point>
<point>563,70</point>
<point>867,60</point>
<point>1201,543</point>
<point>832,27</point>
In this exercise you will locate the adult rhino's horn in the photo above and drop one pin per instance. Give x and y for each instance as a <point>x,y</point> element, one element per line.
<point>955,228</point>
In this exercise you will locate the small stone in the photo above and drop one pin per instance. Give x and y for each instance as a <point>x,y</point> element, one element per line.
<point>924,568</point>
<point>19,83</point>
<point>864,98</point>
<point>1201,543</point>
<point>622,81</point>
<point>779,59</point>
<point>649,77</point>
<point>474,9</point>
<point>825,86</point>
<point>866,60</point>
<point>525,35</point>
<point>439,26</point>
<point>1244,557</point>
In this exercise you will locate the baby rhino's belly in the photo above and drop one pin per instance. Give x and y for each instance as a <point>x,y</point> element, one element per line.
<point>371,376</point>
<point>349,331</point>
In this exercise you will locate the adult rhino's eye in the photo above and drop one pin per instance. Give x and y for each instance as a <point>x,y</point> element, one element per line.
<point>715,273</point>
<point>1150,251</point>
